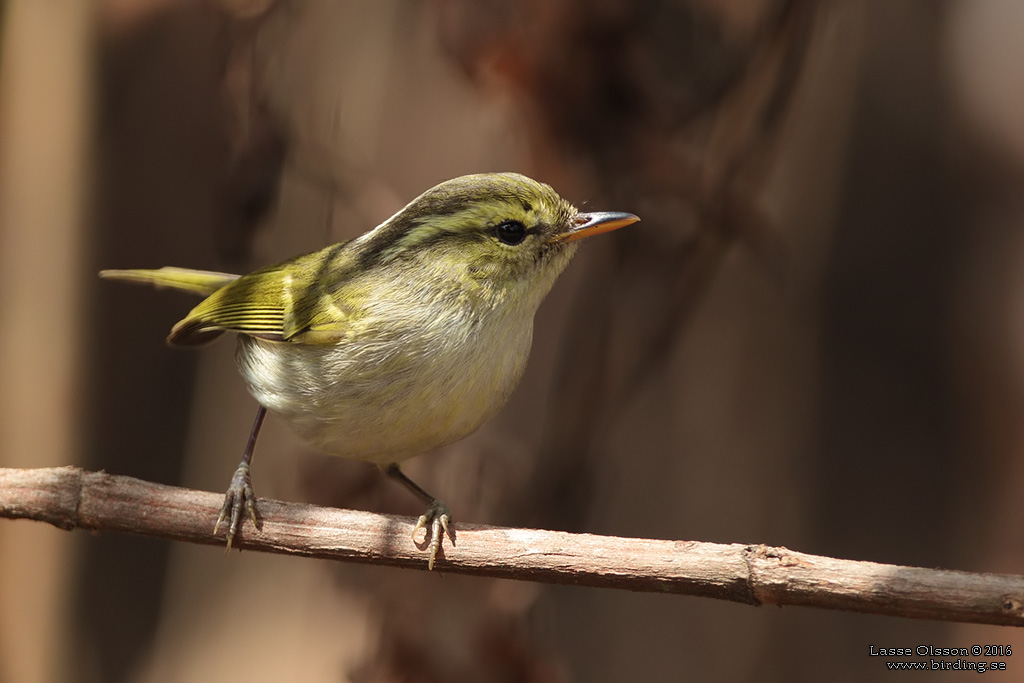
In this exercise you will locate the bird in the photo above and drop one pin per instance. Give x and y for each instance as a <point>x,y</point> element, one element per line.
<point>395,343</point>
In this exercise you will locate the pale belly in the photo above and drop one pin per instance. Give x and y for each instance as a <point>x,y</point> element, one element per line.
<point>381,403</point>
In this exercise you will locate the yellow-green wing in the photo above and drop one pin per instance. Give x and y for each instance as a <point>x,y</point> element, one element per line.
<point>278,303</point>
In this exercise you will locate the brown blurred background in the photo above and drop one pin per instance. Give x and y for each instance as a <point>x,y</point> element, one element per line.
<point>813,339</point>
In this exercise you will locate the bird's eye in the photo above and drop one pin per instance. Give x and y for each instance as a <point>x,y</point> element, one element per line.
<point>510,232</point>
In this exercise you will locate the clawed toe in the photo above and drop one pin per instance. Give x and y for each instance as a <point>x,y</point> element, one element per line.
<point>438,518</point>
<point>239,497</point>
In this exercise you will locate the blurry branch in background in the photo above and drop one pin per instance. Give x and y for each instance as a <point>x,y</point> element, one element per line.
<point>676,109</point>
<point>72,498</point>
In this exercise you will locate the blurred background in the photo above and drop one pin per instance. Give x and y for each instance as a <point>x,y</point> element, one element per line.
<point>815,338</point>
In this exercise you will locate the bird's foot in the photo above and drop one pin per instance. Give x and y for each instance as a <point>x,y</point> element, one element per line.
<point>438,518</point>
<point>239,496</point>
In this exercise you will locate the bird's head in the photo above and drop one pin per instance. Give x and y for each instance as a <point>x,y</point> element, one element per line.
<point>503,232</point>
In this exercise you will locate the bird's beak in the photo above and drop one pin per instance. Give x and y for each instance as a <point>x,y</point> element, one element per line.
<point>587,224</point>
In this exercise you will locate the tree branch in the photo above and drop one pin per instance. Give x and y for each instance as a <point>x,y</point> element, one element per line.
<point>72,498</point>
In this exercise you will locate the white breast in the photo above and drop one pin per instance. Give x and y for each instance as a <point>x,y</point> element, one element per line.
<point>388,400</point>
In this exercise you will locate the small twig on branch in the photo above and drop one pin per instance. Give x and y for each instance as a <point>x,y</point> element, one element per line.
<point>72,498</point>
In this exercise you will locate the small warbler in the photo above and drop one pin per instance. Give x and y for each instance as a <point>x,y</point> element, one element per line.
<point>400,341</point>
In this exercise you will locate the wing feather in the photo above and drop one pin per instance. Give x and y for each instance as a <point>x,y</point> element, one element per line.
<point>276,303</point>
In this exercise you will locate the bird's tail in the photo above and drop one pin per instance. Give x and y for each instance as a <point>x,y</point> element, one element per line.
<point>201,282</point>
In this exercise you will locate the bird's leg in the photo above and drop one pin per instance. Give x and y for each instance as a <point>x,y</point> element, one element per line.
<point>437,514</point>
<point>240,493</point>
